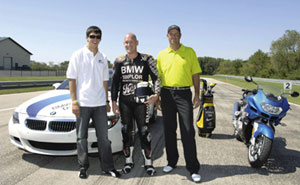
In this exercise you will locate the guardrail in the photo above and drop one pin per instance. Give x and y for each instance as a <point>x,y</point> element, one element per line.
<point>294,82</point>
<point>25,84</point>
<point>31,73</point>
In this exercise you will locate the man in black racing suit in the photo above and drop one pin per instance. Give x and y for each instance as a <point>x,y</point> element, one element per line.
<point>130,71</point>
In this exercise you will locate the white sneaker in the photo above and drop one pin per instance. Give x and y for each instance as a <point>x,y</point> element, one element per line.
<point>167,169</point>
<point>196,177</point>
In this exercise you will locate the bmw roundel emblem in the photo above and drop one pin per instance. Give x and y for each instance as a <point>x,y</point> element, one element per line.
<point>52,113</point>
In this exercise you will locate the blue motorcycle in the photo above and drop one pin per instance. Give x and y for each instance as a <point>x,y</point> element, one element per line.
<point>255,118</point>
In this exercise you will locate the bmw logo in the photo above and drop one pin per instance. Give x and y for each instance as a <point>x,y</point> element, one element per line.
<point>52,113</point>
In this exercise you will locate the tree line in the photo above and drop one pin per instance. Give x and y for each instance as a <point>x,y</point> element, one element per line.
<point>51,66</point>
<point>283,61</point>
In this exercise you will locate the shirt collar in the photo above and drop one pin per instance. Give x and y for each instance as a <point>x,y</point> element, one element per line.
<point>127,58</point>
<point>180,49</point>
<point>87,51</point>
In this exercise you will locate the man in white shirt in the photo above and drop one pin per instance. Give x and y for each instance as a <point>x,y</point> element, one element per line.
<point>88,82</point>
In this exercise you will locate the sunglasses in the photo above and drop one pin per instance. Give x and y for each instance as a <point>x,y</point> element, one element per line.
<point>94,36</point>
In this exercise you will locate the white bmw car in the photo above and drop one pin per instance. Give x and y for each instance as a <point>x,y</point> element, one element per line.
<point>46,125</point>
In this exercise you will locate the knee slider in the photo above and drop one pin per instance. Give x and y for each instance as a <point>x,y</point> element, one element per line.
<point>125,135</point>
<point>146,142</point>
<point>146,136</point>
<point>124,129</point>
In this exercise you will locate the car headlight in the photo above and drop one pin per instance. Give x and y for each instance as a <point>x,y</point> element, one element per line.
<point>16,118</point>
<point>112,121</point>
<point>271,109</point>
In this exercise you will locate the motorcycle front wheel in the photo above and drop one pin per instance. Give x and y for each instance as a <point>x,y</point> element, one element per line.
<point>260,151</point>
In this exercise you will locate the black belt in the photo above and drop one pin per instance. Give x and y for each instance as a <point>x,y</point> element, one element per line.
<point>177,88</point>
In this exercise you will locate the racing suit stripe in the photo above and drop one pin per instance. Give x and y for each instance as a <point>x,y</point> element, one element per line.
<point>154,75</point>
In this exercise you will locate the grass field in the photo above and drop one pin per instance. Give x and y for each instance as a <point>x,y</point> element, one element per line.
<point>246,85</point>
<point>28,78</point>
<point>23,90</point>
<point>235,81</point>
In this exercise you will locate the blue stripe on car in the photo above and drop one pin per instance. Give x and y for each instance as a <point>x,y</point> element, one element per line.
<point>34,108</point>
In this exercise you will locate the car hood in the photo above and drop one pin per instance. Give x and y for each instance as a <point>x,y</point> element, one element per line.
<point>55,103</point>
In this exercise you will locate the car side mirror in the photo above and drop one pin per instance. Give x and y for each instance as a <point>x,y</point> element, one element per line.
<point>56,85</point>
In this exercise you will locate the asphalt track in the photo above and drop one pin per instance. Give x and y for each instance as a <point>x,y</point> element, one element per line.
<point>223,159</point>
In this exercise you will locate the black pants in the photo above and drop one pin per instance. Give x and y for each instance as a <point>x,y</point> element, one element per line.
<point>173,102</point>
<point>139,112</point>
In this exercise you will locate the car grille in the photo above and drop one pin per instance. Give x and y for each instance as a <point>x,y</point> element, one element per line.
<point>53,146</point>
<point>54,126</point>
<point>62,126</point>
<point>36,124</point>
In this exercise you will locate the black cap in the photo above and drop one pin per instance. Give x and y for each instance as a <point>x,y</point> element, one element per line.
<point>174,27</point>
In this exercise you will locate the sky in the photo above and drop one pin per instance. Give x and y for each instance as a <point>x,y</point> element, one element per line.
<point>231,29</point>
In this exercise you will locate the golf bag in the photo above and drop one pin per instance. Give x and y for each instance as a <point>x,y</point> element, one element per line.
<point>206,118</point>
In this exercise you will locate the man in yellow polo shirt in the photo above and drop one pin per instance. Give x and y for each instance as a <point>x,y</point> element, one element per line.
<point>179,69</point>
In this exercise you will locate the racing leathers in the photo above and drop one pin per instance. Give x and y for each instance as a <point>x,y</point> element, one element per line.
<point>127,74</point>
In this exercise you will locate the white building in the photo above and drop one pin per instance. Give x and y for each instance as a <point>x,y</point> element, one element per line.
<point>13,56</point>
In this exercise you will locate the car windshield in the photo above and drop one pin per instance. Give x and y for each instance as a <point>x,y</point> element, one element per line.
<point>65,84</point>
